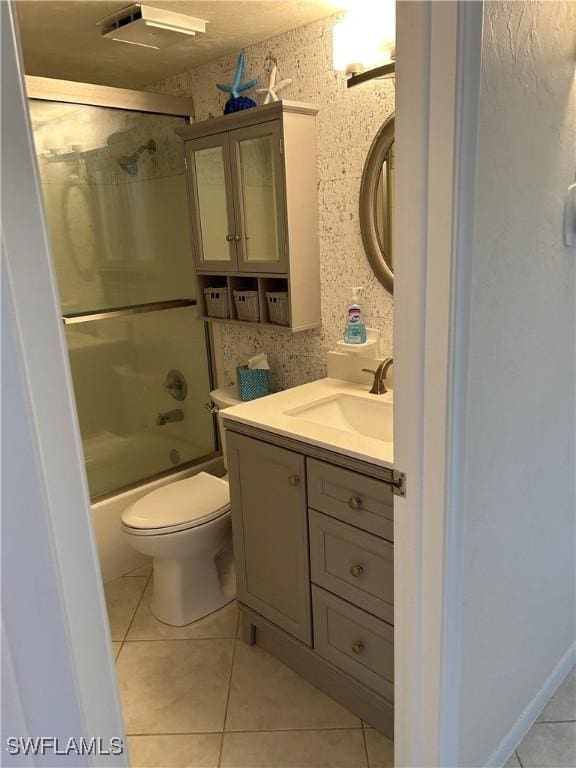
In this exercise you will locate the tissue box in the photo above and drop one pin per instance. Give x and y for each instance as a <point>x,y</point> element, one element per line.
<point>252,383</point>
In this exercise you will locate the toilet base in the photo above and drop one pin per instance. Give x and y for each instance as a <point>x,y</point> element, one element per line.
<point>193,569</point>
<point>186,591</point>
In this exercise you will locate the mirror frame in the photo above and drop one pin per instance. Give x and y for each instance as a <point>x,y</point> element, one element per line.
<point>370,176</point>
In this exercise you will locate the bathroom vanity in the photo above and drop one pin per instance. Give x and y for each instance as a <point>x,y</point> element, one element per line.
<point>312,515</point>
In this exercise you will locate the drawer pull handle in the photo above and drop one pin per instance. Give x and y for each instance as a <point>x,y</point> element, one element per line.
<point>294,480</point>
<point>354,502</point>
<point>356,570</point>
<point>358,647</point>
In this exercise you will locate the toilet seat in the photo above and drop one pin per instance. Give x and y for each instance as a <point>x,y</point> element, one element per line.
<point>178,506</point>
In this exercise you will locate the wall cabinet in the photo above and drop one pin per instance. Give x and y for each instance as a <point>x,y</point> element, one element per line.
<point>254,207</point>
<point>314,563</point>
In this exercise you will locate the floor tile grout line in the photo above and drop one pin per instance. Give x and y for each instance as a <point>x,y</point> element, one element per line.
<point>552,722</point>
<point>173,639</point>
<point>136,611</point>
<point>365,745</point>
<point>260,730</point>
<point>132,575</point>
<point>518,758</point>
<point>228,693</point>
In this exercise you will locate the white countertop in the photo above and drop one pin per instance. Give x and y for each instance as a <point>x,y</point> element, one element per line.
<point>269,413</point>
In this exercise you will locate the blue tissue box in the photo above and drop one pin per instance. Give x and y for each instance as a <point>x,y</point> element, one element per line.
<point>252,384</point>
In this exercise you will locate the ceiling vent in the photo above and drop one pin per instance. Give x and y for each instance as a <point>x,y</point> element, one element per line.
<point>150,27</point>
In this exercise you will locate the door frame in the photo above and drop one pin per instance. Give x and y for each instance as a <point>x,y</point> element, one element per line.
<point>53,505</point>
<point>436,141</point>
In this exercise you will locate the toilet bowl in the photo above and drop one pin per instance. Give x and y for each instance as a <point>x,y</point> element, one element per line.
<point>185,528</point>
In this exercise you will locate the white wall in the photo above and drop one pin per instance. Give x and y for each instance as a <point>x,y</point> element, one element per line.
<point>346,125</point>
<point>519,540</point>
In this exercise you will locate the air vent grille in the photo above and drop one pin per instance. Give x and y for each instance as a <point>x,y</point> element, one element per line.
<point>128,15</point>
<point>146,25</point>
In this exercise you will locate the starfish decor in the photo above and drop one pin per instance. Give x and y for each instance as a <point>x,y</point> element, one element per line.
<point>236,101</point>
<point>273,87</point>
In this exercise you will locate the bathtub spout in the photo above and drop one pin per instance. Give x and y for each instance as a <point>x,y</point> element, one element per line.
<point>169,416</point>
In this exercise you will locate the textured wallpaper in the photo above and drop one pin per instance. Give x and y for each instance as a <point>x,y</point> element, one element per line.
<point>346,124</point>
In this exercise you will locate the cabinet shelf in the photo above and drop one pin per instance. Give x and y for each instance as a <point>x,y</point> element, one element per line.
<point>272,326</point>
<point>277,283</point>
<point>254,211</point>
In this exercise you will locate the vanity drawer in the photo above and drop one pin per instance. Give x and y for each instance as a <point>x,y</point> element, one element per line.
<point>356,499</point>
<point>354,641</point>
<point>355,565</point>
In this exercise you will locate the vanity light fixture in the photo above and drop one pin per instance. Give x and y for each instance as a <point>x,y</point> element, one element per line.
<point>148,26</point>
<point>363,41</point>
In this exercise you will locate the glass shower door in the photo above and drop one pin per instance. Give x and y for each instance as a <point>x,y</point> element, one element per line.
<point>115,198</point>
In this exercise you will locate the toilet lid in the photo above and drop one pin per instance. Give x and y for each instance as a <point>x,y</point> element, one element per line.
<point>184,503</point>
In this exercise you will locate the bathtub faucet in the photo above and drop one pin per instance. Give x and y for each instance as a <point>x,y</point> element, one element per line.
<point>168,416</point>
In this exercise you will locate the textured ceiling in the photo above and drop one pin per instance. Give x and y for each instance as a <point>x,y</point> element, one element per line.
<point>62,39</point>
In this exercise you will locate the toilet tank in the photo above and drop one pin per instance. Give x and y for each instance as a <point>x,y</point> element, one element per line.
<point>222,399</point>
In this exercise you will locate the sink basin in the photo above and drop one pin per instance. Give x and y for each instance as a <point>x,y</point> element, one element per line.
<point>359,415</point>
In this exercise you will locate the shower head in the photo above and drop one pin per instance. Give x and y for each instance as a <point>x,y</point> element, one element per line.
<point>129,163</point>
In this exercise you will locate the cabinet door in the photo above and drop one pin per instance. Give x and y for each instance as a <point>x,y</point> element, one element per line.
<point>211,203</point>
<point>269,524</point>
<point>258,177</point>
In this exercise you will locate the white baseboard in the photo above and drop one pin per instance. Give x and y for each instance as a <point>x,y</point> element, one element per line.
<point>533,710</point>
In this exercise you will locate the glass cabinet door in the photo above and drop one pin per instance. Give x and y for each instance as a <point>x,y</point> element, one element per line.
<point>213,225</point>
<point>258,176</point>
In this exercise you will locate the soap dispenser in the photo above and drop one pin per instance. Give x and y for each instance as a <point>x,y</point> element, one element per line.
<point>355,330</point>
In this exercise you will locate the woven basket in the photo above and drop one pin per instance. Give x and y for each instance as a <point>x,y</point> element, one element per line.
<point>217,302</point>
<point>247,308</point>
<point>278,309</point>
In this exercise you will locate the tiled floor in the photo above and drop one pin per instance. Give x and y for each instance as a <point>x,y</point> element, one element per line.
<point>551,742</point>
<point>198,697</point>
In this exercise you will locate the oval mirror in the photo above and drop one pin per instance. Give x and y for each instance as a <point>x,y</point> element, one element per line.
<point>377,204</point>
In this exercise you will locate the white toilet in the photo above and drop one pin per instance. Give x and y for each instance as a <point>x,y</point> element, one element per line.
<point>185,527</point>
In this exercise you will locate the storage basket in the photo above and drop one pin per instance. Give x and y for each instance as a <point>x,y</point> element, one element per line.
<point>278,311</point>
<point>252,383</point>
<point>217,302</point>
<point>247,308</point>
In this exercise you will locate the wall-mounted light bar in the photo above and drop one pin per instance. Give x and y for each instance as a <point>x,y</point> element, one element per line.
<point>385,72</point>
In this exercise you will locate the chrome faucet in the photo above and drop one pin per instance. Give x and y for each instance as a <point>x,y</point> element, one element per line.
<point>379,385</point>
<point>168,416</point>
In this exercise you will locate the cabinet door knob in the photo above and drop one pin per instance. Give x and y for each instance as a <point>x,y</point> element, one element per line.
<point>237,238</point>
<point>358,647</point>
<point>356,570</point>
<point>230,238</point>
<point>354,502</point>
<point>294,480</point>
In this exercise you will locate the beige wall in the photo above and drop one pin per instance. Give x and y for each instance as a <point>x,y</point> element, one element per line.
<point>347,123</point>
